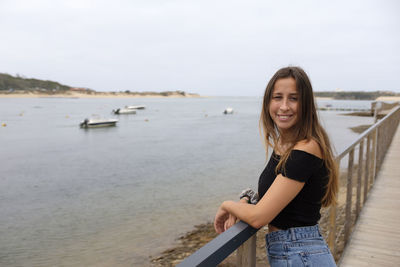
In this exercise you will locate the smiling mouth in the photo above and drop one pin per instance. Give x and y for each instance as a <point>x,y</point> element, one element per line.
<point>284,117</point>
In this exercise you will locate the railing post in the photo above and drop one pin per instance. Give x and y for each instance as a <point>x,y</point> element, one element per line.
<point>348,222</point>
<point>332,229</point>
<point>374,155</point>
<point>366,179</point>
<point>246,253</point>
<point>359,174</point>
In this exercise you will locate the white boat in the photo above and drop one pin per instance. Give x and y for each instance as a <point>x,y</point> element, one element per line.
<point>135,107</point>
<point>124,111</point>
<point>228,111</point>
<point>92,123</point>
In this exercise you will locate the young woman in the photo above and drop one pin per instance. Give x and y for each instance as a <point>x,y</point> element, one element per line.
<point>300,177</point>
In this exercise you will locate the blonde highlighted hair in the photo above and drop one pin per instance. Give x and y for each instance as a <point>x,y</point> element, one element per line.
<point>306,128</point>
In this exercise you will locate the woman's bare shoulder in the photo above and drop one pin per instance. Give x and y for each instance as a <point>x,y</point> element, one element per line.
<point>310,146</point>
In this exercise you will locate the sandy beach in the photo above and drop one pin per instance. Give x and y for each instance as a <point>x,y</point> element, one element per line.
<point>323,98</point>
<point>72,94</point>
<point>388,98</point>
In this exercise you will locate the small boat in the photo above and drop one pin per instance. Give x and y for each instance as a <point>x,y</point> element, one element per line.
<point>135,107</point>
<point>92,123</point>
<point>228,111</point>
<point>119,111</point>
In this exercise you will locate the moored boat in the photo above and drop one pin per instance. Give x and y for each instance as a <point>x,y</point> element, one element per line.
<point>92,123</point>
<point>135,107</point>
<point>228,111</point>
<point>119,111</point>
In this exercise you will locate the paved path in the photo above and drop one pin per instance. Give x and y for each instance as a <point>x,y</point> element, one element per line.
<point>376,238</point>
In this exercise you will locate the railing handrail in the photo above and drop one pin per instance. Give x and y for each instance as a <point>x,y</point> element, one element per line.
<point>220,247</point>
<point>365,134</point>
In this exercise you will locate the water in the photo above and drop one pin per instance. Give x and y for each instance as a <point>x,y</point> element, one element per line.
<point>115,196</point>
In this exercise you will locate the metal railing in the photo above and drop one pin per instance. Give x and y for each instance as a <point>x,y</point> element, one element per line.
<point>370,156</point>
<point>222,246</point>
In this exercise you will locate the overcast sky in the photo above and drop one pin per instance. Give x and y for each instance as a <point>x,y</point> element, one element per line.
<point>209,47</point>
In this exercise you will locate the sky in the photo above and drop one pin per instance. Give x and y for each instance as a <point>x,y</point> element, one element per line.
<point>209,47</point>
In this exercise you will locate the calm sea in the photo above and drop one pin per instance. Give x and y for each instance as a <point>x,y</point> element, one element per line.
<point>115,196</point>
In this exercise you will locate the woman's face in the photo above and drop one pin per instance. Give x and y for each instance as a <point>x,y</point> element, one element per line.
<point>284,104</point>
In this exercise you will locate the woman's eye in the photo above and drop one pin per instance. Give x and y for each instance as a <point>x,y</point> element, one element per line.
<point>293,98</point>
<point>277,97</point>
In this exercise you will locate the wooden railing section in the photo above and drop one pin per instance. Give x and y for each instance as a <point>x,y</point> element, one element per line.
<point>368,151</point>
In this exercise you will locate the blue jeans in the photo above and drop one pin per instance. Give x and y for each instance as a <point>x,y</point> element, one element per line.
<point>298,246</point>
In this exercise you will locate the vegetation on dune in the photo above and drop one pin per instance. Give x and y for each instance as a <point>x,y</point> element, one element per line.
<point>11,83</point>
<point>356,95</point>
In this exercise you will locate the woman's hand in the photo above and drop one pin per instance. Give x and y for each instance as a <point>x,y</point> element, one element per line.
<point>223,219</point>
<point>230,222</point>
<point>220,218</point>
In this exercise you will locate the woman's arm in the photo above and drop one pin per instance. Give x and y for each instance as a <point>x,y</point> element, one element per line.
<point>282,191</point>
<point>278,196</point>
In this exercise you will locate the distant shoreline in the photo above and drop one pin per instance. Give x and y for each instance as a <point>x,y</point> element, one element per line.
<point>380,98</point>
<point>71,94</point>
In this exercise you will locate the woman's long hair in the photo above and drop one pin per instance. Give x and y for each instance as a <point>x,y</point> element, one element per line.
<point>306,128</point>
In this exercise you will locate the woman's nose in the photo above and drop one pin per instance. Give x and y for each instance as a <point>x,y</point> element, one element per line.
<point>284,105</point>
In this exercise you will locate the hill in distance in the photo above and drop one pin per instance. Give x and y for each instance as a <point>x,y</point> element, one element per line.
<point>355,95</point>
<point>10,84</point>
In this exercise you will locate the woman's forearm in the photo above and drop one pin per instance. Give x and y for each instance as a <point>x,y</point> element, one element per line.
<point>278,196</point>
<point>245,212</point>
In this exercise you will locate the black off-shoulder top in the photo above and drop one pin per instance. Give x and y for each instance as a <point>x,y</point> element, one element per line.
<point>304,209</point>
